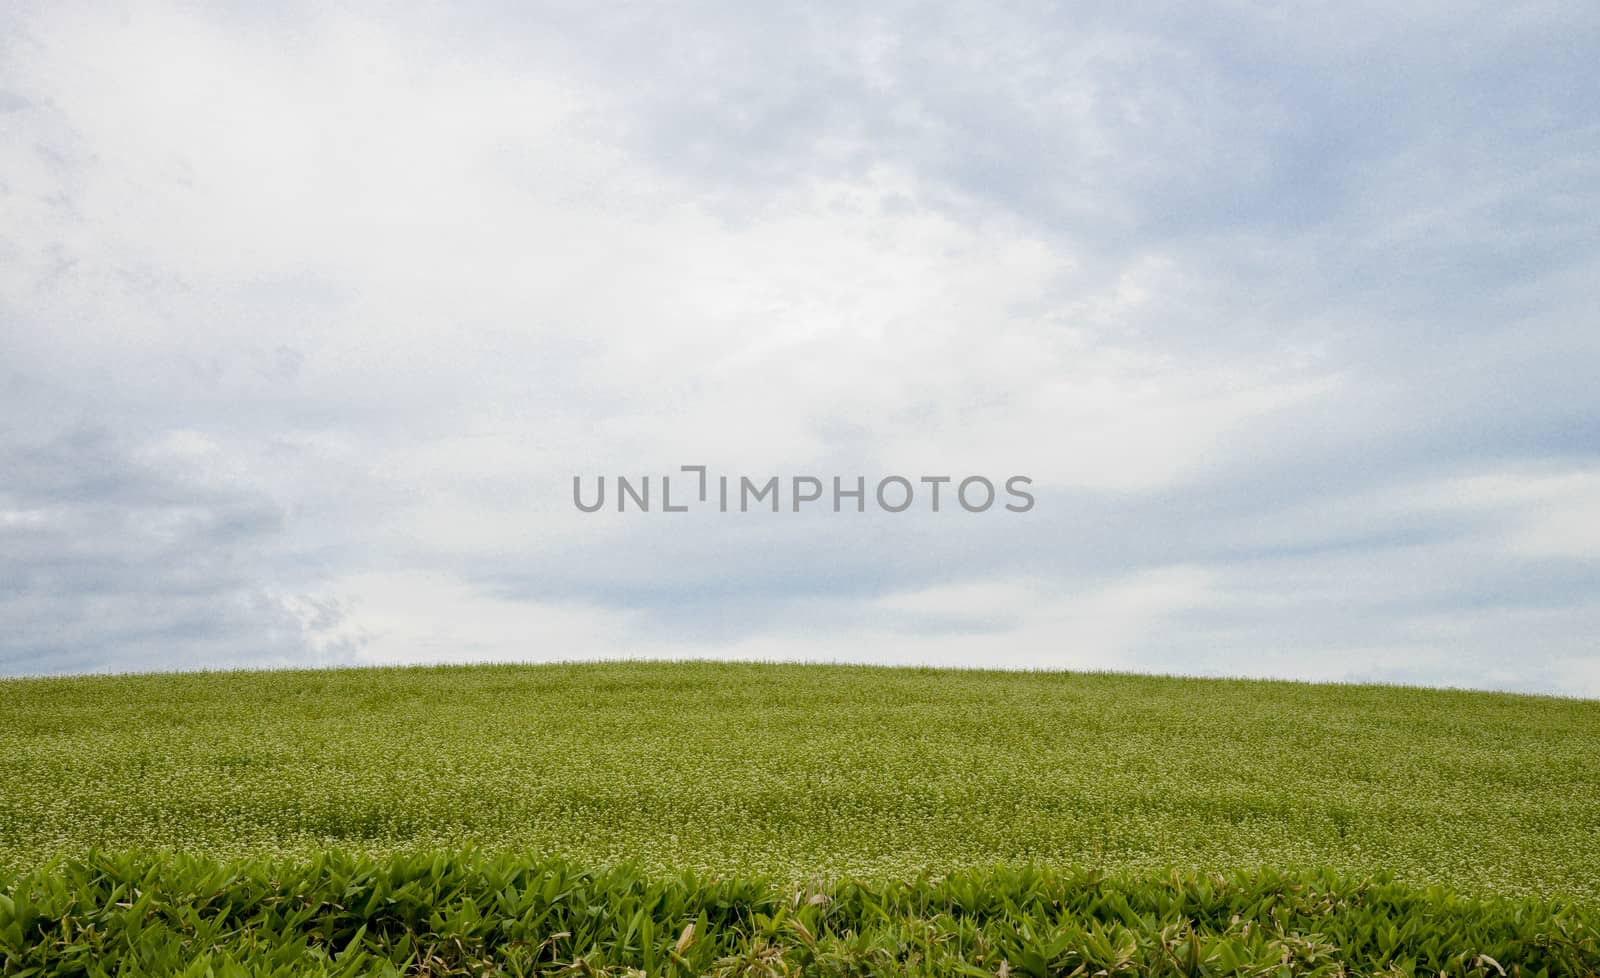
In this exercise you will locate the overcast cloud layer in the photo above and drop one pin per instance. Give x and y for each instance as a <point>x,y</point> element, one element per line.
<point>308,319</point>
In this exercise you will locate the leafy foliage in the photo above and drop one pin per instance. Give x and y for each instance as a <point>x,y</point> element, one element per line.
<point>468,914</point>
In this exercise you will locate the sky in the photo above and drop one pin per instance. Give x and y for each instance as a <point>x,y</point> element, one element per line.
<point>311,313</point>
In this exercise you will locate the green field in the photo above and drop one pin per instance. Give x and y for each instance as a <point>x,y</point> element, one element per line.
<point>810,777</point>
<point>806,771</point>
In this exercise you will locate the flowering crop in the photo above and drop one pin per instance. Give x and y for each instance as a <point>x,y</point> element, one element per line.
<point>811,772</point>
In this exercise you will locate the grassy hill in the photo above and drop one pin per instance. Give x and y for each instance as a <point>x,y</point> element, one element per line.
<point>763,820</point>
<point>810,772</point>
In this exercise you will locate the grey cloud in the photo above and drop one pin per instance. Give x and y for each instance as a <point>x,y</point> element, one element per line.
<point>108,562</point>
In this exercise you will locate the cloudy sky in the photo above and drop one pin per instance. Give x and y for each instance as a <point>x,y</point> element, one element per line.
<point>309,315</point>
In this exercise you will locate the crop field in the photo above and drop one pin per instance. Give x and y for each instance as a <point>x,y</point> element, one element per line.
<point>789,779</point>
